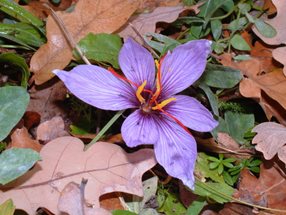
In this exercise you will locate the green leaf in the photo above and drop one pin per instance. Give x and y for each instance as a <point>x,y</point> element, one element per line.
<point>149,190</point>
<point>196,206</point>
<point>19,13</point>
<point>219,192</point>
<point>238,124</point>
<point>15,162</point>
<point>265,29</point>
<point>239,43</point>
<point>18,61</point>
<point>13,103</point>
<point>7,208</point>
<point>213,99</point>
<point>220,169</point>
<point>122,212</point>
<point>202,168</point>
<point>216,27</point>
<point>22,33</point>
<point>162,42</point>
<point>237,24</point>
<point>220,76</point>
<point>101,48</point>
<point>169,203</point>
<point>228,179</point>
<point>227,164</point>
<point>213,165</point>
<point>244,7</point>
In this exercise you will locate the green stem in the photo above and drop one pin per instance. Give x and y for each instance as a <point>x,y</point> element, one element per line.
<point>104,129</point>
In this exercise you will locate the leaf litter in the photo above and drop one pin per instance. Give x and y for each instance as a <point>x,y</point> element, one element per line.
<point>78,182</point>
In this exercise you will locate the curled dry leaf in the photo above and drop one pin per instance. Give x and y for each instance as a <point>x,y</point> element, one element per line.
<point>268,190</point>
<point>106,167</point>
<point>51,129</point>
<point>270,140</point>
<point>20,138</point>
<point>146,22</point>
<point>278,22</point>
<point>93,16</point>
<point>255,84</point>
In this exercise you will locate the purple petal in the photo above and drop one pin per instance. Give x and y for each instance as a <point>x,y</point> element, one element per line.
<point>176,151</point>
<point>191,113</point>
<point>98,87</point>
<point>139,128</point>
<point>137,63</point>
<point>184,66</point>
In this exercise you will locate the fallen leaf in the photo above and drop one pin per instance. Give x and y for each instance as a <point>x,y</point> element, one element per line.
<point>20,138</point>
<point>88,16</point>
<point>268,190</point>
<point>72,201</point>
<point>106,167</point>
<point>270,140</point>
<point>278,22</point>
<point>48,100</point>
<point>255,82</point>
<point>31,119</point>
<point>146,22</point>
<point>51,129</point>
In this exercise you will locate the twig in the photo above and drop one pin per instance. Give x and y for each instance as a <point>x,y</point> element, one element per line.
<point>67,35</point>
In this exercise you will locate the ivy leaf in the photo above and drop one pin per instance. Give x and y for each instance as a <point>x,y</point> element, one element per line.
<point>13,103</point>
<point>15,162</point>
<point>7,208</point>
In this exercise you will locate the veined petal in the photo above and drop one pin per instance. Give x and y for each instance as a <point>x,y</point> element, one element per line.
<point>137,63</point>
<point>139,128</point>
<point>176,151</point>
<point>98,87</point>
<point>184,66</point>
<point>191,113</point>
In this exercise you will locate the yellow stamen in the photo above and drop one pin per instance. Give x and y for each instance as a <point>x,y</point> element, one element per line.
<point>163,104</point>
<point>139,91</point>
<point>157,64</point>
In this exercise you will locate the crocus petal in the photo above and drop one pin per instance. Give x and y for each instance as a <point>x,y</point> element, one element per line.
<point>176,151</point>
<point>184,66</point>
<point>139,128</point>
<point>137,63</point>
<point>98,87</point>
<point>191,113</point>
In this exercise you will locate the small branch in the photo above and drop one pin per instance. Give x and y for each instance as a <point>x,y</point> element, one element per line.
<point>67,35</point>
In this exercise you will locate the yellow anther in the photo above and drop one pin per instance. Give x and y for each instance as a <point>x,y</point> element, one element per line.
<point>163,103</point>
<point>139,91</point>
<point>157,64</point>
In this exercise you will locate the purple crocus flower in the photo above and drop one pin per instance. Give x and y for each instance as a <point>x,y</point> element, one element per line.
<point>161,116</point>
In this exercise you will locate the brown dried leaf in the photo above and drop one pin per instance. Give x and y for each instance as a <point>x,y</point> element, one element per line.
<point>267,191</point>
<point>88,16</point>
<point>106,167</point>
<point>72,202</point>
<point>270,140</point>
<point>51,129</point>
<point>278,22</point>
<point>146,22</point>
<point>20,138</point>
<point>255,83</point>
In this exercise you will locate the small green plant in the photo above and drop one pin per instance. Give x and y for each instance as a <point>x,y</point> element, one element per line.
<point>3,146</point>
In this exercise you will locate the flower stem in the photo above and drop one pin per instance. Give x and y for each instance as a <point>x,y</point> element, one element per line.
<point>104,129</point>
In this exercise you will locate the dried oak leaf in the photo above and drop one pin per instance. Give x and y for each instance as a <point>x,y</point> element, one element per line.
<point>146,22</point>
<point>88,16</point>
<point>51,129</point>
<point>20,138</point>
<point>255,84</point>
<point>270,140</point>
<point>278,22</point>
<point>107,167</point>
<point>268,190</point>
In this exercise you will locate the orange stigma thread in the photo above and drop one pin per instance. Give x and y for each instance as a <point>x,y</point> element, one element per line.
<point>139,91</point>
<point>110,69</point>
<point>163,104</point>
